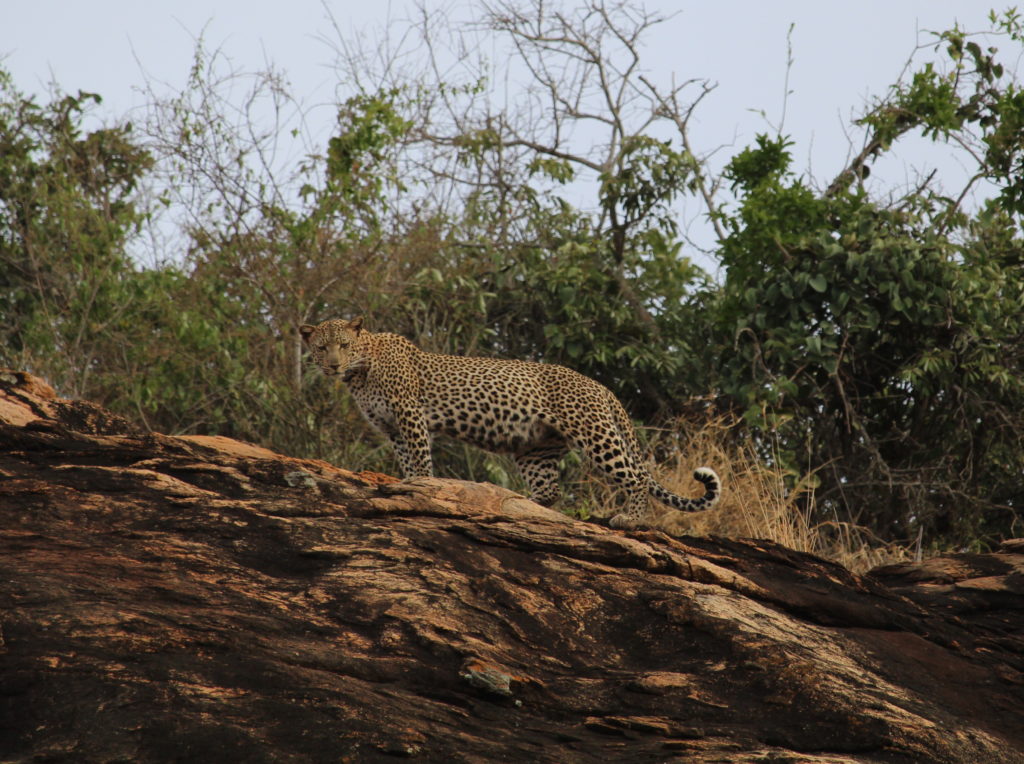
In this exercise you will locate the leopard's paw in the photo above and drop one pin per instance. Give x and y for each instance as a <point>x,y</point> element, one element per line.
<point>622,520</point>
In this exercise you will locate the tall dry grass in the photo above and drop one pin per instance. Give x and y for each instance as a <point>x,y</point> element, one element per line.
<point>758,500</point>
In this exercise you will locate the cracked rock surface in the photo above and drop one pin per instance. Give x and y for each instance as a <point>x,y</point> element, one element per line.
<point>185,598</point>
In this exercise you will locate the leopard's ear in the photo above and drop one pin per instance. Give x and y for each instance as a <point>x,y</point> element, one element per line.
<point>356,324</point>
<point>306,331</point>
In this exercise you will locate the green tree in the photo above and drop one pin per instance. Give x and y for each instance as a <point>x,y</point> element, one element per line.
<point>881,345</point>
<point>67,213</point>
<point>272,245</point>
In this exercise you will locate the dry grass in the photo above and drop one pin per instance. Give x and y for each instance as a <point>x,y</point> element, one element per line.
<point>758,500</point>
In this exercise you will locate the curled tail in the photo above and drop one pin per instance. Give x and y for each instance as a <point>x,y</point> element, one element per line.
<point>705,475</point>
<point>712,490</point>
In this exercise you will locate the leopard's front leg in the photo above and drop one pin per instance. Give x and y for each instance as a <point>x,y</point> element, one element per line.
<point>411,440</point>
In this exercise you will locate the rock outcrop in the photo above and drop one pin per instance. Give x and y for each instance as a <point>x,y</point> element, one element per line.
<point>194,599</point>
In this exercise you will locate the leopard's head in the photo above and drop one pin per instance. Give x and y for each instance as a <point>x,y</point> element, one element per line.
<point>333,346</point>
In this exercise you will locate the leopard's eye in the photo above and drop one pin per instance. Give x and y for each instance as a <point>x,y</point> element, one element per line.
<point>321,347</point>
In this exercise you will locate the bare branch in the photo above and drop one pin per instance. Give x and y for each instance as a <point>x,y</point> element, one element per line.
<point>669,108</point>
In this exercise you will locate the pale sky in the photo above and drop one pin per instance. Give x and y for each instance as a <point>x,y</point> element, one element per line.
<point>843,53</point>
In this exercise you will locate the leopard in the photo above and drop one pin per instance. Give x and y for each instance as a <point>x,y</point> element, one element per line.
<point>534,412</point>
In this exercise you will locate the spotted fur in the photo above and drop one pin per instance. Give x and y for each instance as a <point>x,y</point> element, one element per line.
<point>535,412</point>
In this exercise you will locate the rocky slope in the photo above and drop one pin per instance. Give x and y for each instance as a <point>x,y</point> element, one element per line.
<point>186,598</point>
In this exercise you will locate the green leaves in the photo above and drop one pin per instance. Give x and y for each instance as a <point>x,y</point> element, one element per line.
<point>646,175</point>
<point>559,170</point>
<point>766,163</point>
<point>368,126</point>
<point>358,171</point>
<point>67,210</point>
<point>864,339</point>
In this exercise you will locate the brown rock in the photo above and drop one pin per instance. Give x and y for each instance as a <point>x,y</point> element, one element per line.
<point>197,599</point>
